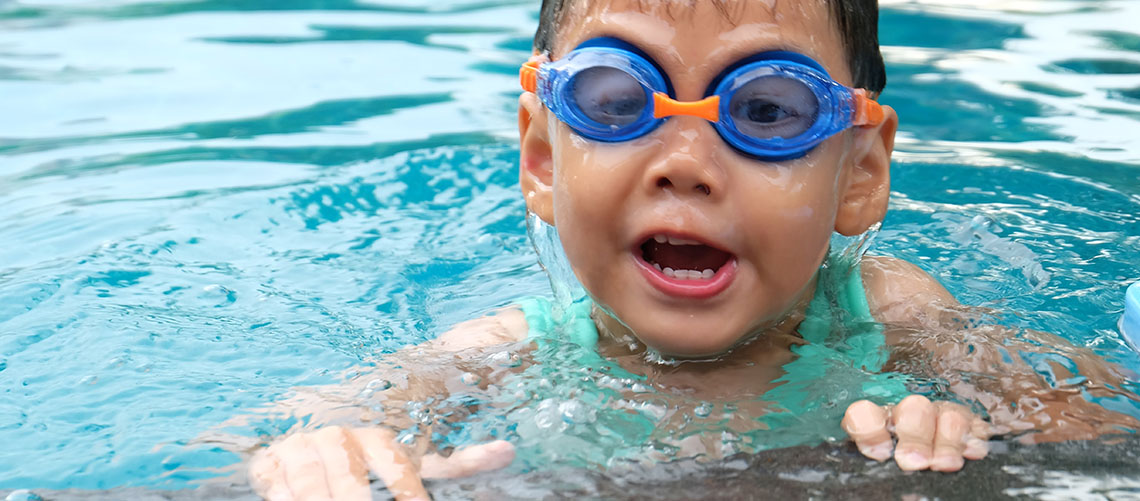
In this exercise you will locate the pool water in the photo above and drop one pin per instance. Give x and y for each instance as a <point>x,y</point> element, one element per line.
<point>205,204</point>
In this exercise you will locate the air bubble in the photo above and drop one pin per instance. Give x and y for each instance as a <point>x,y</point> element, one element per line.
<point>470,379</point>
<point>408,436</point>
<point>506,359</point>
<point>640,388</point>
<point>378,385</point>
<point>575,412</point>
<point>703,410</point>
<point>548,416</point>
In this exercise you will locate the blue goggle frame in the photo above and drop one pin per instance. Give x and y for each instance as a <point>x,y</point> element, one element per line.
<point>837,107</point>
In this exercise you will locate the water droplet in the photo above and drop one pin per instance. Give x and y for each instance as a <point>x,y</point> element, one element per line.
<point>703,410</point>
<point>470,379</point>
<point>506,359</point>
<point>89,380</point>
<point>378,385</point>
<point>545,384</point>
<point>419,411</point>
<point>408,436</point>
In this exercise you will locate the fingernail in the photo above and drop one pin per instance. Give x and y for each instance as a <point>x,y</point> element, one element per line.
<point>912,461</point>
<point>976,448</point>
<point>879,452</point>
<point>947,463</point>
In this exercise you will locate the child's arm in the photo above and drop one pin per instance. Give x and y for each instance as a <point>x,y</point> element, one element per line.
<point>930,331</point>
<point>334,461</point>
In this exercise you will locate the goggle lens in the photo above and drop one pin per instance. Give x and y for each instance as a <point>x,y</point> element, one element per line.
<point>773,107</point>
<point>608,96</point>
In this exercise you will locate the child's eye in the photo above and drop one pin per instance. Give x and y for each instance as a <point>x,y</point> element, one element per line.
<point>609,96</point>
<point>773,107</point>
<point>762,111</point>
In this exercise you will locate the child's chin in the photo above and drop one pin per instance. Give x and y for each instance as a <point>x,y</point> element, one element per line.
<point>687,345</point>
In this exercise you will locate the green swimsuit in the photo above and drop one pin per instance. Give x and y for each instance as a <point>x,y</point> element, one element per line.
<point>841,361</point>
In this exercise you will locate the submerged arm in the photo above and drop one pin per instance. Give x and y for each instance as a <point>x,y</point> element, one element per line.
<point>1026,381</point>
<point>333,462</point>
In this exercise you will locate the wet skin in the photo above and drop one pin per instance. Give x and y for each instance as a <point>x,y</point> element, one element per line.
<point>683,181</point>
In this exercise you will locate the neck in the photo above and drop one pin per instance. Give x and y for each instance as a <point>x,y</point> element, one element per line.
<point>759,343</point>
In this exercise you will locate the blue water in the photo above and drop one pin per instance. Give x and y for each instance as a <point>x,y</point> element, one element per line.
<point>204,204</point>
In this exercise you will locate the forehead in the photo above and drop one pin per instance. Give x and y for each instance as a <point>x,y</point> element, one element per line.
<point>695,37</point>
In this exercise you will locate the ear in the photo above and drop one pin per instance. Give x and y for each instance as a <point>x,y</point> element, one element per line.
<point>536,162</point>
<point>863,201</point>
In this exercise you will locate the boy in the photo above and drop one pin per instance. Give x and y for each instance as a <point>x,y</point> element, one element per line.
<point>695,158</point>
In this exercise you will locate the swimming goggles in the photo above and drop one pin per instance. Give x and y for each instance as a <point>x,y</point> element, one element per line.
<point>772,106</point>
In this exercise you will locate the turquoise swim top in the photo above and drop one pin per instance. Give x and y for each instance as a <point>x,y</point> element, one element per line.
<point>841,361</point>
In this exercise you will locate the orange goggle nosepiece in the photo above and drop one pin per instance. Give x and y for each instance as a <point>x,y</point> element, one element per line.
<point>665,106</point>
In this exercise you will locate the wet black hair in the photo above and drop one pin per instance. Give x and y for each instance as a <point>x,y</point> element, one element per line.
<point>857,20</point>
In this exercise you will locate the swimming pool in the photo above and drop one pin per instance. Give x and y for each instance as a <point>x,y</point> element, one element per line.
<point>207,203</point>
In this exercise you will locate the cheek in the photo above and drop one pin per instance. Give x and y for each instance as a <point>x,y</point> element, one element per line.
<point>593,180</point>
<point>792,209</point>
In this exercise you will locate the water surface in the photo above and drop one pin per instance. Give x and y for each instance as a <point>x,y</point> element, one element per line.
<point>204,204</point>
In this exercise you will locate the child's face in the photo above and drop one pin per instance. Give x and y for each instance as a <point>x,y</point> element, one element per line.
<point>770,222</point>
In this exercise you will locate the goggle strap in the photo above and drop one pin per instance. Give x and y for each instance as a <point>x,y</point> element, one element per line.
<point>665,106</point>
<point>528,76</point>
<point>867,112</point>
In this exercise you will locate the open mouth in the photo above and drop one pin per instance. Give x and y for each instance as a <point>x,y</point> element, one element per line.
<point>683,267</point>
<point>683,259</point>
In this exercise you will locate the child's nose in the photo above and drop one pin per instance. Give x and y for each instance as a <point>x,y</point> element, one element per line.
<point>686,164</point>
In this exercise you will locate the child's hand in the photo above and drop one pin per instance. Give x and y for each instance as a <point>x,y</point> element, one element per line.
<point>935,435</point>
<point>333,463</point>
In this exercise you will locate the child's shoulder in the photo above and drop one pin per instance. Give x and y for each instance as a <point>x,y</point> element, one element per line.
<point>503,326</point>
<point>900,293</point>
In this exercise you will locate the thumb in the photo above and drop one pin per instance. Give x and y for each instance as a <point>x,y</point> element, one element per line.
<point>469,460</point>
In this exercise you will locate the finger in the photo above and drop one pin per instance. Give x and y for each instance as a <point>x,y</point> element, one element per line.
<point>267,477</point>
<point>468,460</point>
<point>345,473</point>
<point>915,420</point>
<point>976,445</point>
<point>387,459</point>
<point>304,473</point>
<point>951,436</point>
<point>866,424</point>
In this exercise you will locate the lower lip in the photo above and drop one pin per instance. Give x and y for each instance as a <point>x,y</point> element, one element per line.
<point>691,289</point>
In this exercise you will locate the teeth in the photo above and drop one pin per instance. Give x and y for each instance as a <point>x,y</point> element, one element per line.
<point>685,274</point>
<point>659,238</point>
<point>681,241</point>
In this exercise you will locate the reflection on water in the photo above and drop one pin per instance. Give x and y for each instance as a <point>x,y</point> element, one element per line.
<point>206,203</point>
